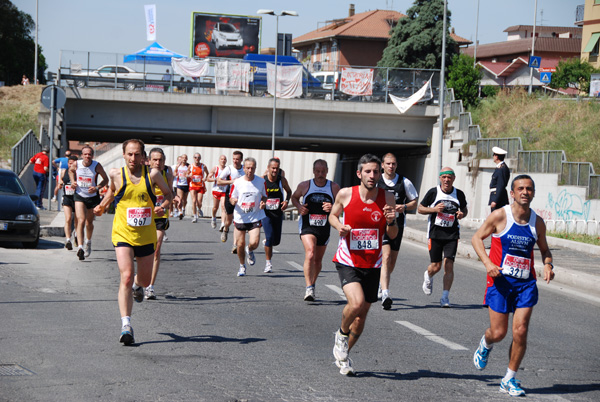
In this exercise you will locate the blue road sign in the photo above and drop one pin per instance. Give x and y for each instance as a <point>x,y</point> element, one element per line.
<point>535,61</point>
<point>545,77</point>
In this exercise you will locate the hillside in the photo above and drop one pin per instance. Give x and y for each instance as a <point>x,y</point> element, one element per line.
<point>544,124</point>
<point>19,107</point>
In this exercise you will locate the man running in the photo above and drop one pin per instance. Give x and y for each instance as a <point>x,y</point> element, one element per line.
<point>272,223</point>
<point>157,161</point>
<point>41,170</point>
<point>445,205</point>
<point>317,195</point>
<point>83,179</point>
<point>406,200</point>
<point>67,200</point>
<point>61,165</point>
<point>218,192</point>
<point>183,187</point>
<point>511,276</point>
<point>175,204</point>
<point>197,175</point>
<point>226,178</point>
<point>134,230</point>
<point>369,212</point>
<point>248,196</point>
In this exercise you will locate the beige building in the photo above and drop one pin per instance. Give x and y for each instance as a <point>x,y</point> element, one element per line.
<point>590,22</point>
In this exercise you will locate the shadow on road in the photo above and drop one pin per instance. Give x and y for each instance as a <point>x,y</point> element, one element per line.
<point>202,338</point>
<point>428,374</point>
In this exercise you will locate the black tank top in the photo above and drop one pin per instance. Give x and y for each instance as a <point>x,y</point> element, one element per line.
<point>399,194</point>
<point>274,197</point>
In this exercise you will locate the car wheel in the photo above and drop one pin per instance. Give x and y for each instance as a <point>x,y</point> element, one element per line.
<point>80,84</point>
<point>130,86</point>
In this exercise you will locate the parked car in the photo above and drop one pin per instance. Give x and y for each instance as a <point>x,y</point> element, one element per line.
<point>328,79</point>
<point>225,35</point>
<point>19,218</point>
<point>105,76</point>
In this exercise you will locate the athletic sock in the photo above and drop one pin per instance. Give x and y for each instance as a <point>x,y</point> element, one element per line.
<point>344,333</point>
<point>268,262</point>
<point>445,293</point>
<point>486,345</point>
<point>385,293</point>
<point>125,320</point>
<point>509,374</point>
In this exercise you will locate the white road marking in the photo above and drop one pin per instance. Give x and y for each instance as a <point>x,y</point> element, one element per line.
<point>431,336</point>
<point>296,265</point>
<point>337,290</point>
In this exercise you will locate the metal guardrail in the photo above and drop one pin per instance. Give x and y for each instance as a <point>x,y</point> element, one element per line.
<point>511,144</point>
<point>456,108</point>
<point>576,173</point>
<point>594,187</point>
<point>23,150</point>
<point>541,161</point>
<point>474,133</point>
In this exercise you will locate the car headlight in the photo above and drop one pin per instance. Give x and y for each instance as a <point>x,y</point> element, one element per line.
<point>26,217</point>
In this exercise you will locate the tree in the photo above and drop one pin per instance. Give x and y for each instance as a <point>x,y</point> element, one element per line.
<point>416,41</point>
<point>465,79</point>
<point>573,73</point>
<point>17,56</point>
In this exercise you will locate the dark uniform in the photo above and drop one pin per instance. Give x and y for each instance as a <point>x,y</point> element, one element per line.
<point>498,193</point>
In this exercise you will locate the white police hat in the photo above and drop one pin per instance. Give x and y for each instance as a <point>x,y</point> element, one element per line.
<point>499,151</point>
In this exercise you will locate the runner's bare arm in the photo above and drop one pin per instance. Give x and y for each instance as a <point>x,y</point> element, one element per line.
<point>540,228</point>
<point>341,200</point>
<point>115,182</point>
<point>288,193</point>
<point>103,175</point>
<point>158,179</point>
<point>73,175</point>
<point>487,228</point>
<point>300,191</point>
<point>389,211</point>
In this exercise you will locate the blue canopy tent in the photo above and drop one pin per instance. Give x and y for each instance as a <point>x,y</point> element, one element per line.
<point>153,54</point>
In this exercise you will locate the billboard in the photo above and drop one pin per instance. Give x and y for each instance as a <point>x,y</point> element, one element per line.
<point>224,35</point>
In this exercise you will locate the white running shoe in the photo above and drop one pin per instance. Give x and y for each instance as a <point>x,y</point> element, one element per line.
<point>222,227</point>
<point>309,295</point>
<point>250,256</point>
<point>340,347</point>
<point>242,271</point>
<point>88,248</point>
<point>427,283</point>
<point>224,236</point>
<point>268,268</point>
<point>345,367</point>
<point>149,293</point>
<point>194,219</point>
<point>213,223</point>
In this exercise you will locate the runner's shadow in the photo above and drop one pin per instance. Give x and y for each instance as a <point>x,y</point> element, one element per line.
<point>202,338</point>
<point>428,374</point>
<point>565,389</point>
<point>404,306</point>
<point>185,259</point>
<point>205,298</point>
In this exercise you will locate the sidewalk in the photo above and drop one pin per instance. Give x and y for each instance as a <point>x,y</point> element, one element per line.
<point>575,264</point>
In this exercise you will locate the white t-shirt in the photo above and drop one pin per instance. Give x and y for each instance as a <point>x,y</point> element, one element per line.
<point>249,194</point>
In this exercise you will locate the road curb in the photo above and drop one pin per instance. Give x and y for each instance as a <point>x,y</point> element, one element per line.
<point>569,277</point>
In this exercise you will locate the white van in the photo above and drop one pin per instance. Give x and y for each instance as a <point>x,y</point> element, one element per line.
<point>328,79</point>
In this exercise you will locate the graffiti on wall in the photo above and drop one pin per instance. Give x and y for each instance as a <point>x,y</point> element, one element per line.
<point>568,206</point>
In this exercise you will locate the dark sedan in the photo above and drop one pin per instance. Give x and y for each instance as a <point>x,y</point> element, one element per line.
<point>19,218</point>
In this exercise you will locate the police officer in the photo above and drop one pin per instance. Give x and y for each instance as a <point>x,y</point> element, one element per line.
<point>500,177</point>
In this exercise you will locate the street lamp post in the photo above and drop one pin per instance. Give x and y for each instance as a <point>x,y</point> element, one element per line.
<point>281,14</point>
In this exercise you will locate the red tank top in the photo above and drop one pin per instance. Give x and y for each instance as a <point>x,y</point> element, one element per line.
<point>361,248</point>
<point>197,179</point>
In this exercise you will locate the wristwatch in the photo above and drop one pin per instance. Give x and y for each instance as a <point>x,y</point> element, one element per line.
<point>392,224</point>
<point>551,265</point>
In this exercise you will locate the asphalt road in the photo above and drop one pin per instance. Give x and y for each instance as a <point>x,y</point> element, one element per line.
<point>212,336</point>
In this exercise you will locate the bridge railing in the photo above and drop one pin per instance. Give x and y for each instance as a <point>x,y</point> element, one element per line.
<point>541,161</point>
<point>23,150</point>
<point>511,144</point>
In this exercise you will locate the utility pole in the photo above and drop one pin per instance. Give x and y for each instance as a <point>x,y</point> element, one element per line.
<point>441,141</point>
<point>532,48</point>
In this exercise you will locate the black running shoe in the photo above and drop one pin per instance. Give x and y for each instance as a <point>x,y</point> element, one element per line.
<point>81,254</point>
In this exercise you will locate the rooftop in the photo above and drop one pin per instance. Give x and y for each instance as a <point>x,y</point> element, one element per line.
<point>559,45</point>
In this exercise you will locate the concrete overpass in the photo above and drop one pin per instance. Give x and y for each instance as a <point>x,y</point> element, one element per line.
<point>218,120</point>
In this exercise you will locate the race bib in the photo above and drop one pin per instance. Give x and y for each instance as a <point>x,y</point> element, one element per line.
<point>272,204</point>
<point>196,179</point>
<point>139,216</point>
<point>248,207</point>
<point>317,219</point>
<point>159,200</point>
<point>364,239</point>
<point>69,190</point>
<point>444,220</point>
<point>84,181</point>
<point>517,267</point>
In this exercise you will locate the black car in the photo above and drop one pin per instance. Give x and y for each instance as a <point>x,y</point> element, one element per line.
<point>19,218</point>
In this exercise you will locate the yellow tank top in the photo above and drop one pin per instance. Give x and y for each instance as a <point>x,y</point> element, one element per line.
<point>133,223</point>
<point>160,198</point>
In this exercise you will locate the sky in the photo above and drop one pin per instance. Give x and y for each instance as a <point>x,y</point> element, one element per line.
<point>118,26</point>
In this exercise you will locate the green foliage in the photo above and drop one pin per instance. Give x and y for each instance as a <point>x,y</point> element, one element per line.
<point>490,91</point>
<point>465,79</point>
<point>573,73</point>
<point>416,42</point>
<point>17,56</point>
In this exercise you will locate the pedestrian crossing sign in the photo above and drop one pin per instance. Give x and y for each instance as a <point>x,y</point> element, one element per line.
<point>535,61</point>
<point>545,78</point>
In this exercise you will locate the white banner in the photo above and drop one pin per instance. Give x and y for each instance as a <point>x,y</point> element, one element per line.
<point>403,104</point>
<point>357,81</point>
<point>190,67</point>
<point>289,80</point>
<point>150,11</point>
<point>232,76</point>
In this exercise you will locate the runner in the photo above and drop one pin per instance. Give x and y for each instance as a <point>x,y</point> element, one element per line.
<point>317,199</point>
<point>511,276</point>
<point>227,177</point>
<point>275,205</point>
<point>61,165</point>
<point>83,179</point>
<point>183,187</point>
<point>369,212</point>
<point>445,205</point>
<point>197,174</point>
<point>218,193</point>
<point>175,204</point>
<point>248,196</point>
<point>67,201</point>
<point>157,161</point>
<point>406,200</point>
<point>134,230</point>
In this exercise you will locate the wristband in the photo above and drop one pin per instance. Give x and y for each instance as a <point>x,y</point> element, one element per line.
<point>392,224</point>
<point>551,265</point>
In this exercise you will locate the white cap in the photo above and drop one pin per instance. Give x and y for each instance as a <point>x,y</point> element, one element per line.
<point>499,151</point>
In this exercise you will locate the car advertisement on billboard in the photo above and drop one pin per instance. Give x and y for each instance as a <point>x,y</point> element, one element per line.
<point>224,35</point>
